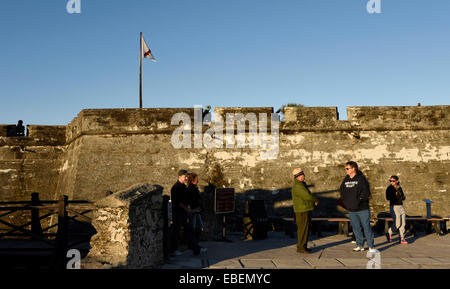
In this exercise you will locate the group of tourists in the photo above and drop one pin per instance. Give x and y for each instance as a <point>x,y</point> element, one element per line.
<point>355,193</point>
<point>186,209</point>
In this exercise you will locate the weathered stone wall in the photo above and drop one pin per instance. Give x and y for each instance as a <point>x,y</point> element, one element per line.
<point>129,230</point>
<point>30,164</point>
<point>108,149</point>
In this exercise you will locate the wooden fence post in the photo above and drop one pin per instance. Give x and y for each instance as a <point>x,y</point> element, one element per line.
<point>61,235</point>
<point>36,228</point>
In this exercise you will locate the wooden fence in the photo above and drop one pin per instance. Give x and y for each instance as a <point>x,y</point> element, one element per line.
<point>65,210</point>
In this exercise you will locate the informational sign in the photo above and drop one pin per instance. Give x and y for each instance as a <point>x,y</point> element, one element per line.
<point>224,200</point>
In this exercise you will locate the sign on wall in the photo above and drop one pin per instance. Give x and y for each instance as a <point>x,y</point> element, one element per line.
<point>224,200</point>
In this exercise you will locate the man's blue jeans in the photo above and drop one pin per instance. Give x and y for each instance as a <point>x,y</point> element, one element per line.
<point>361,221</point>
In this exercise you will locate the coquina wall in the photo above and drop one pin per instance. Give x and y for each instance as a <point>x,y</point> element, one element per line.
<point>112,149</point>
<point>30,164</point>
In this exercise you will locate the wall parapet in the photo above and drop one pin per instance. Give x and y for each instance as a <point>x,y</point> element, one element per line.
<point>399,117</point>
<point>222,111</point>
<point>366,118</point>
<point>4,129</point>
<point>158,121</point>
<point>129,229</point>
<point>38,135</point>
<point>123,121</point>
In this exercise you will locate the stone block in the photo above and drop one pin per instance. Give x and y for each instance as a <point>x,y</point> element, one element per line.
<point>324,263</point>
<point>129,229</point>
<point>423,261</point>
<point>258,264</point>
<point>294,263</point>
<point>225,264</point>
<point>443,260</point>
<point>354,262</point>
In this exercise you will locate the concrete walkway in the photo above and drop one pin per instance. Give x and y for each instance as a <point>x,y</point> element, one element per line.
<point>329,252</point>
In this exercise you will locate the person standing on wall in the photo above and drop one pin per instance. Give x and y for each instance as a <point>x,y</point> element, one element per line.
<point>180,215</point>
<point>355,193</point>
<point>395,195</point>
<point>304,203</point>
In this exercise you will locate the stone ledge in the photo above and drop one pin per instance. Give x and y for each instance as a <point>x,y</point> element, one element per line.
<point>129,196</point>
<point>129,229</point>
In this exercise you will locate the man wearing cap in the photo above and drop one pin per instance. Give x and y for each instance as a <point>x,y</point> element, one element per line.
<point>304,203</point>
<point>180,213</point>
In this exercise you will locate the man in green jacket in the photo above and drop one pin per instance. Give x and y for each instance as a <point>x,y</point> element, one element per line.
<point>304,203</point>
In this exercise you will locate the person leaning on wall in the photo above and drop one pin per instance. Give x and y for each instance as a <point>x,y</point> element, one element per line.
<point>303,203</point>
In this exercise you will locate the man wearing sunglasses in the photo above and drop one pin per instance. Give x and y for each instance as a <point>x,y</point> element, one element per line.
<point>355,195</point>
<point>395,195</point>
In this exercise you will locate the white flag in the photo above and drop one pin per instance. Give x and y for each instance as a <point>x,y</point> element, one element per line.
<point>147,51</point>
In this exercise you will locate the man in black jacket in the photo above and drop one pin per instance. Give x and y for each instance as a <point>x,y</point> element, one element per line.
<point>355,193</point>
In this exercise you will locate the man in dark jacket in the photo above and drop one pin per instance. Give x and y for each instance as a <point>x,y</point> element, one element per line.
<point>180,215</point>
<point>355,195</point>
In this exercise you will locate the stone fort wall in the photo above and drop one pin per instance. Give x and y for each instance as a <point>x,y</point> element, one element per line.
<point>105,150</point>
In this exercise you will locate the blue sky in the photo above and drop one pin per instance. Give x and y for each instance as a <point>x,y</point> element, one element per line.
<point>221,53</point>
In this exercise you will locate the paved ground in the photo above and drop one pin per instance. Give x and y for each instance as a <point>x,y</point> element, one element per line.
<point>329,252</point>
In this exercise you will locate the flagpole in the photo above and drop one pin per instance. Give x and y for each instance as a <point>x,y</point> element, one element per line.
<point>140,71</point>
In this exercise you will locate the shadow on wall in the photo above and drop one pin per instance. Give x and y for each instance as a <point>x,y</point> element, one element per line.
<point>146,229</point>
<point>146,244</point>
<point>79,236</point>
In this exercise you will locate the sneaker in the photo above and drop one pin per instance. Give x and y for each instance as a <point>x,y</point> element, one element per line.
<point>357,249</point>
<point>353,242</point>
<point>203,250</point>
<point>388,237</point>
<point>403,242</point>
<point>372,250</point>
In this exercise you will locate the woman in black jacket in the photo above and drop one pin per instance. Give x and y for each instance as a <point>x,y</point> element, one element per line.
<point>395,195</point>
<point>195,203</point>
